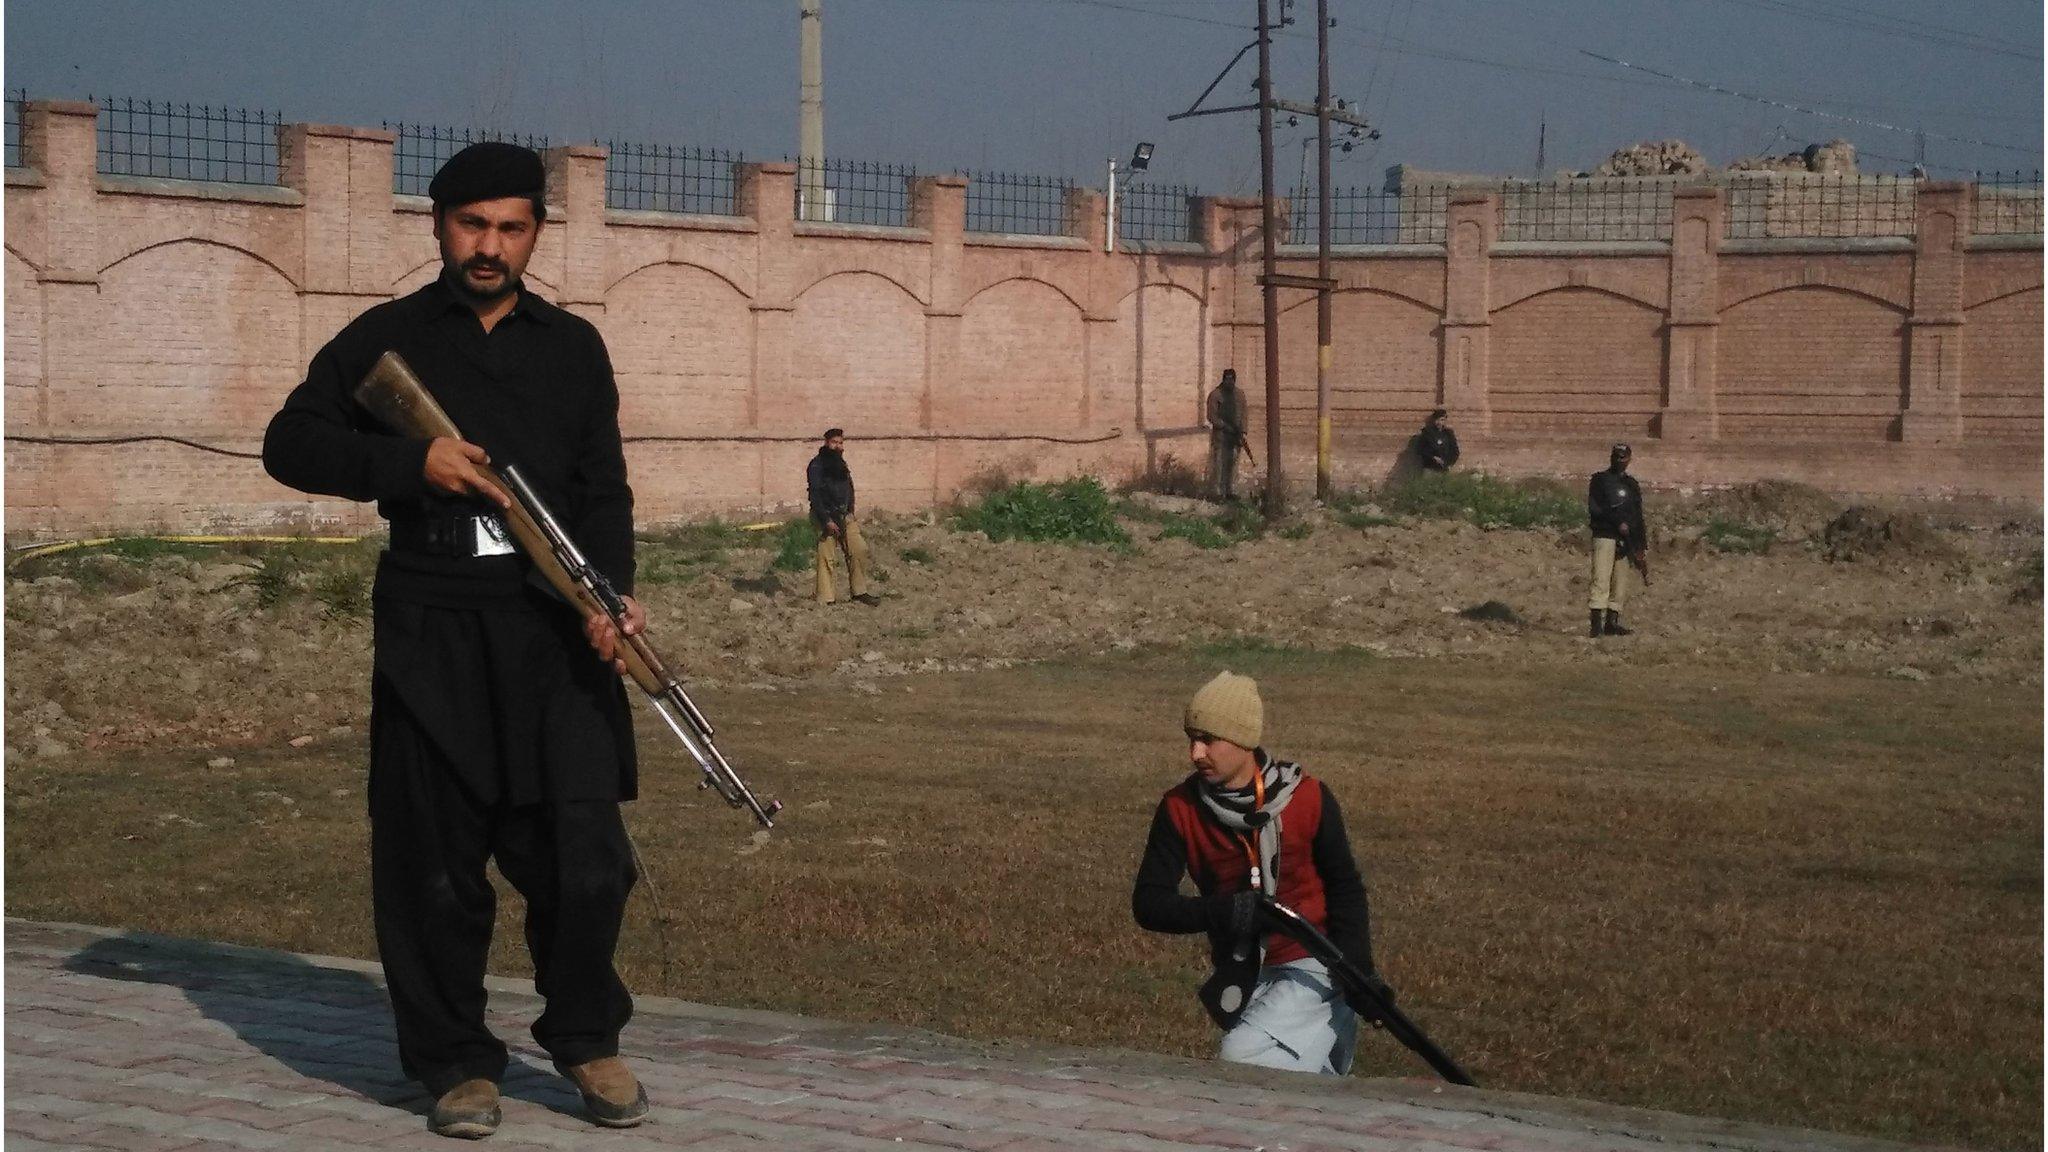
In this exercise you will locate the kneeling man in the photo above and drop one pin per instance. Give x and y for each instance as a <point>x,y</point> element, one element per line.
<point>1242,823</point>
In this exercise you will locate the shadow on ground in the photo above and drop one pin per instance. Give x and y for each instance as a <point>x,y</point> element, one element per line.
<point>326,1024</point>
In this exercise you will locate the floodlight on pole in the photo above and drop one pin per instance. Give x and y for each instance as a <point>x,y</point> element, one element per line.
<point>1141,159</point>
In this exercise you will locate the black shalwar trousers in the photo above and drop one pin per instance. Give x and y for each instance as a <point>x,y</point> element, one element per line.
<point>430,841</point>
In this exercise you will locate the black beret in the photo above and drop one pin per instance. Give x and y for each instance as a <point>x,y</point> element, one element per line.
<point>488,171</point>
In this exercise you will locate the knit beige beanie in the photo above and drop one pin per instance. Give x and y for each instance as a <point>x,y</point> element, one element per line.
<point>1228,708</point>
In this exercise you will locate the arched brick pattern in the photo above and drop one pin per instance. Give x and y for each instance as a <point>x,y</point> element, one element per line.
<point>858,360</point>
<point>1155,376</point>
<point>2001,368</point>
<point>24,344</point>
<point>1811,363</point>
<point>1021,367</point>
<point>1385,353</point>
<point>1576,361</point>
<point>681,342</point>
<point>168,367</point>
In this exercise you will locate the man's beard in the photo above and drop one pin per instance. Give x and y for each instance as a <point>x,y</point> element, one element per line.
<point>458,276</point>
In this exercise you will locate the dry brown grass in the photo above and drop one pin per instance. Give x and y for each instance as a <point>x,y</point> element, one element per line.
<point>1809,900</point>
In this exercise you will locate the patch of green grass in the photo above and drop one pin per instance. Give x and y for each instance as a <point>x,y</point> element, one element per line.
<point>1737,536</point>
<point>1297,531</point>
<point>1200,533</point>
<point>680,554</point>
<point>1071,511</point>
<point>1486,501</point>
<point>796,546</point>
<point>1364,520</point>
<point>275,579</point>
<point>2027,588</point>
<point>916,555</point>
<point>344,592</point>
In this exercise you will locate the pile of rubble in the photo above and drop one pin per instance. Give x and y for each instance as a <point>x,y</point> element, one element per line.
<point>1654,158</point>
<point>1836,157</point>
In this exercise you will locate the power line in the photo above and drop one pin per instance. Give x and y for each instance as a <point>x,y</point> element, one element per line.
<point>1934,34</point>
<point>1809,110</point>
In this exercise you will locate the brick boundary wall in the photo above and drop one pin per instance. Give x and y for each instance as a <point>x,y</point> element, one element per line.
<point>152,308</point>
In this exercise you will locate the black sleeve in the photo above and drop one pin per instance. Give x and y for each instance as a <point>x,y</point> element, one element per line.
<point>1597,512</point>
<point>1156,901</point>
<point>1350,921</point>
<point>598,483</point>
<point>1450,447</point>
<point>814,490</point>
<point>322,442</point>
<point>1637,534</point>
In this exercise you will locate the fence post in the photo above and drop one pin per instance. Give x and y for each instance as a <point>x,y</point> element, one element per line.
<point>575,189</point>
<point>343,176</point>
<point>1931,409</point>
<point>1690,411</point>
<point>938,204</point>
<point>1469,225</point>
<point>766,194</point>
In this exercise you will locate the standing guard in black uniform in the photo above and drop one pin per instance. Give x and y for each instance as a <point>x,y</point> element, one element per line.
<point>498,725</point>
<point>1614,506</point>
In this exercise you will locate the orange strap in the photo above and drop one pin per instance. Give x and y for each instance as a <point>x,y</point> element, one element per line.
<point>1251,850</point>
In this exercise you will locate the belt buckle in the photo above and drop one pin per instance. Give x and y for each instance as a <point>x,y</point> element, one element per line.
<point>491,537</point>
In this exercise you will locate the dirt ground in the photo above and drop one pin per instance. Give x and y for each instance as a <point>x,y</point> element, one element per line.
<point>1775,857</point>
<point>108,651</point>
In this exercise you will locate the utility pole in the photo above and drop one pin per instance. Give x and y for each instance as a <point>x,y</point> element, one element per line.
<point>1271,280</point>
<point>1276,496</point>
<point>810,132</point>
<point>1323,250</point>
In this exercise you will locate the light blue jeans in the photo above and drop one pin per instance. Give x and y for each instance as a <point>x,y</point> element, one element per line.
<point>1297,1021</point>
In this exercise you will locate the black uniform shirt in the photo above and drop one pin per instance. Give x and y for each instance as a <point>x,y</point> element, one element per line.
<point>472,653</point>
<point>536,391</point>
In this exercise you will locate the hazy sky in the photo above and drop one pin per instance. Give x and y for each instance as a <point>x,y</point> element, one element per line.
<point>1056,87</point>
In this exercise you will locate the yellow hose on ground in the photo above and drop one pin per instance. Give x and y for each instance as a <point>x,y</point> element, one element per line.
<point>40,550</point>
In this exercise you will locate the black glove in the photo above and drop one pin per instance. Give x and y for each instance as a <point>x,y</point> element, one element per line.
<point>1235,916</point>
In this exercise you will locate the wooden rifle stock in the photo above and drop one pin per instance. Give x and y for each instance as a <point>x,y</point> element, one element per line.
<point>395,396</point>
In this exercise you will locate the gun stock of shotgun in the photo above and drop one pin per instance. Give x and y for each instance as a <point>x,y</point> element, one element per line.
<point>393,394</point>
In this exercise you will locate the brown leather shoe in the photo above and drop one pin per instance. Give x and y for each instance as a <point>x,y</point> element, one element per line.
<point>612,1096</point>
<point>468,1111</point>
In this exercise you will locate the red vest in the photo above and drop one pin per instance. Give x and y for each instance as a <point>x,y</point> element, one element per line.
<point>1218,862</point>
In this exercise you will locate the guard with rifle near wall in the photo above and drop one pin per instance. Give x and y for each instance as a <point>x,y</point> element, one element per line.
<point>1225,413</point>
<point>1279,896</point>
<point>499,725</point>
<point>1614,508</point>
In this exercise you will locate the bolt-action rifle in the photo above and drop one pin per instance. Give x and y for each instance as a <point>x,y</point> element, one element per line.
<point>1361,991</point>
<point>395,396</point>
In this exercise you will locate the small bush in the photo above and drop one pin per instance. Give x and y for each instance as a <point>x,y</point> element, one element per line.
<point>1074,511</point>
<point>275,579</point>
<point>915,555</point>
<point>345,593</point>
<point>1737,536</point>
<point>796,546</point>
<point>1170,476</point>
<point>1298,531</point>
<point>1486,501</point>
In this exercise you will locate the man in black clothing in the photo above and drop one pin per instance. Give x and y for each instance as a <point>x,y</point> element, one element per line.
<point>498,724</point>
<point>1243,823</point>
<point>1614,507</point>
<point>829,484</point>
<point>1436,446</point>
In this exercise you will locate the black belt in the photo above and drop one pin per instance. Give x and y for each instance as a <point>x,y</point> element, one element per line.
<point>467,536</point>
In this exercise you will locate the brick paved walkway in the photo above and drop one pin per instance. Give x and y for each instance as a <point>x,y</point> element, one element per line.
<point>144,1043</point>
